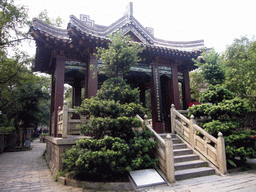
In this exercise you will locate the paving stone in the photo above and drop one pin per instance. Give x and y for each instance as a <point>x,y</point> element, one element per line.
<point>28,171</point>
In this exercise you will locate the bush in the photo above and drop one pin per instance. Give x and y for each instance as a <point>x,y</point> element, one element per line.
<point>113,111</point>
<point>240,144</point>
<point>140,154</point>
<point>108,158</point>
<point>231,109</point>
<point>226,114</point>
<point>225,127</point>
<point>116,89</point>
<point>216,94</point>
<point>9,129</point>
<point>114,127</point>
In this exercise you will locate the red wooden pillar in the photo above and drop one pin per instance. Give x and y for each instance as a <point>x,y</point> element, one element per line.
<point>52,105</point>
<point>156,114</point>
<point>76,95</point>
<point>186,90</point>
<point>59,89</point>
<point>91,78</point>
<point>175,87</point>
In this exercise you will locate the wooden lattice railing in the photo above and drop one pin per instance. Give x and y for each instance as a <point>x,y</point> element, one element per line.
<point>210,147</point>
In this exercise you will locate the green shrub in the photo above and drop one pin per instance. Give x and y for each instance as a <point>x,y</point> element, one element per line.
<point>9,129</point>
<point>108,158</point>
<point>233,108</point>
<point>240,144</point>
<point>116,89</point>
<point>225,127</point>
<point>114,127</point>
<point>140,153</point>
<point>216,94</point>
<point>199,110</point>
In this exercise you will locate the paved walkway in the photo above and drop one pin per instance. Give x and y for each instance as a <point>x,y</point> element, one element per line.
<point>28,171</point>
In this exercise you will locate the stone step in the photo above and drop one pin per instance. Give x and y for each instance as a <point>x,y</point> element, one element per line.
<point>175,140</point>
<point>163,135</point>
<point>191,173</point>
<point>179,146</point>
<point>184,158</point>
<point>179,152</point>
<point>190,165</point>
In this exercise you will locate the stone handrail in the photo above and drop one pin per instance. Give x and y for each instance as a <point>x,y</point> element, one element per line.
<point>164,150</point>
<point>211,148</point>
<point>67,125</point>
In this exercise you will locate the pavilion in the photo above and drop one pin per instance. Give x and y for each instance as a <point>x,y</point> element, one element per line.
<point>66,55</point>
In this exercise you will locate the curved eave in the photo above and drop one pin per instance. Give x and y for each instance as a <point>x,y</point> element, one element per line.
<point>130,22</point>
<point>84,38</point>
<point>47,38</point>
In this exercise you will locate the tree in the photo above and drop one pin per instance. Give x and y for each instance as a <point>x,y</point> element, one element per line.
<point>212,67</point>
<point>120,55</point>
<point>12,22</point>
<point>240,65</point>
<point>197,83</point>
<point>43,16</point>
<point>28,102</point>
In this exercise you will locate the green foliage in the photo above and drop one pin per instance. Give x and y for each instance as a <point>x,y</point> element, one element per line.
<point>197,83</point>
<point>240,64</point>
<point>43,16</point>
<point>99,108</point>
<point>115,127</point>
<point>199,110</point>
<point>240,144</point>
<point>113,111</point>
<point>13,20</point>
<point>10,129</point>
<point>140,154</point>
<point>226,113</point>
<point>121,54</point>
<point>212,69</point>
<point>116,89</point>
<point>225,127</point>
<point>108,158</point>
<point>216,94</point>
<point>233,108</point>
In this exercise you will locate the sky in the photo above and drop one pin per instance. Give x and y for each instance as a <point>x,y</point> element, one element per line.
<point>217,22</point>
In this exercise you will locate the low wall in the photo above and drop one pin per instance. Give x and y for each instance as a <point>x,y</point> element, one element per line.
<point>55,147</point>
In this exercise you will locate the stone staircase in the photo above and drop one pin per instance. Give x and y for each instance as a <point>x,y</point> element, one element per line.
<point>187,164</point>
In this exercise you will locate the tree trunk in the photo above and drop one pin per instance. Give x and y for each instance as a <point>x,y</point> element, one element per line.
<point>17,129</point>
<point>24,135</point>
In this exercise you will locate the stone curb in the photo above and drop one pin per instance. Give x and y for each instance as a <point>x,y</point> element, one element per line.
<point>116,186</point>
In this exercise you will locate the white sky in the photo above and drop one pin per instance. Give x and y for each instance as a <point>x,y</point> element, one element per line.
<point>218,22</point>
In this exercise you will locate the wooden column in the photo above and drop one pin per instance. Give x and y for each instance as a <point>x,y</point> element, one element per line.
<point>76,94</point>
<point>186,90</point>
<point>91,78</point>
<point>59,89</point>
<point>156,114</point>
<point>52,105</point>
<point>175,87</point>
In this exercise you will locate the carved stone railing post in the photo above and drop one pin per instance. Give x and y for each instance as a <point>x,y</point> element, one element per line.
<point>191,135</point>
<point>172,119</point>
<point>169,159</point>
<point>65,119</point>
<point>145,120</point>
<point>221,153</point>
